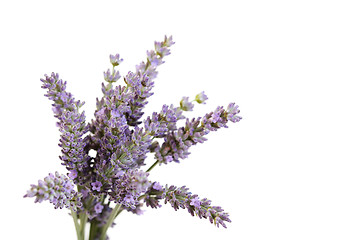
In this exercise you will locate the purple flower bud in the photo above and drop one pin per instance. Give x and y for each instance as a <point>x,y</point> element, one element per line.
<point>232,111</point>
<point>115,59</point>
<point>68,186</point>
<point>201,97</point>
<point>157,186</point>
<point>186,105</point>
<point>111,77</point>
<point>195,202</point>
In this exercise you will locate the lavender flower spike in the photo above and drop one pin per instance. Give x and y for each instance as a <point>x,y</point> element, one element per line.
<point>182,198</point>
<point>72,127</point>
<point>201,97</point>
<point>145,74</point>
<point>177,143</point>
<point>58,190</point>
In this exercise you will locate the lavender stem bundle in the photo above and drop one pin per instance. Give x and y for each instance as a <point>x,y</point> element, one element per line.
<point>114,180</point>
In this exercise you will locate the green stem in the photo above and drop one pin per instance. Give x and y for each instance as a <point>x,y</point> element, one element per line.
<point>152,166</point>
<point>110,221</point>
<point>76,223</point>
<point>93,230</point>
<point>83,220</point>
<point>117,214</point>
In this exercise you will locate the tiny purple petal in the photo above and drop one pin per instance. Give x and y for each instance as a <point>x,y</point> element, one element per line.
<point>195,202</point>
<point>157,186</point>
<point>98,208</point>
<point>115,59</point>
<point>73,174</point>
<point>115,113</point>
<point>96,186</point>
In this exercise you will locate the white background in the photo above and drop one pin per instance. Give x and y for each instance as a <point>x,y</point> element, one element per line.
<point>288,170</point>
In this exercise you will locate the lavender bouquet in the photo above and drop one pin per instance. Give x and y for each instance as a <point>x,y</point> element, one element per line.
<point>112,181</point>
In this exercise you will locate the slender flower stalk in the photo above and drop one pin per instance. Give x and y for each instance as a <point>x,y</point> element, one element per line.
<point>76,223</point>
<point>113,179</point>
<point>110,221</point>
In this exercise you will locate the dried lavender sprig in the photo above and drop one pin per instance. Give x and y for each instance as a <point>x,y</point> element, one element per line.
<point>142,82</point>
<point>155,58</point>
<point>182,198</point>
<point>63,100</point>
<point>177,143</point>
<point>140,87</point>
<point>159,124</point>
<point>72,127</point>
<point>58,189</point>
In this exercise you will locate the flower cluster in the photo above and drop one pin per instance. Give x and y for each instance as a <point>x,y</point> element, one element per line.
<point>58,190</point>
<point>182,198</point>
<point>177,143</point>
<point>112,180</point>
<point>72,126</point>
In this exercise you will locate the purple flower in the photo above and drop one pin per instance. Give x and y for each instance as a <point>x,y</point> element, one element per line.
<point>98,208</point>
<point>111,76</point>
<point>115,113</point>
<point>232,111</point>
<point>161,48</point>
<point>195,202</point>
<point>115,59</point>
<point>201,97</point>
<point>58,190</point>
<point>68,187</point>
<point>96,186</point>
<point>157,186</point>
<point>168,159</point>
<point>129,199</point>
<point>85,192</point>
<point>186,105</point>
<point>100,113</point>
<point>72,174</point>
